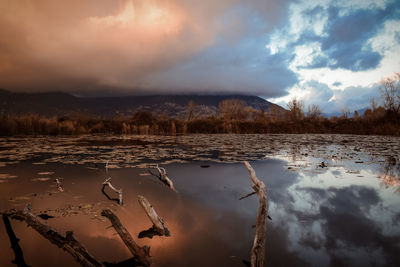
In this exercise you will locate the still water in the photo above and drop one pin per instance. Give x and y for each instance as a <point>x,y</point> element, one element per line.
<point>334,200</point>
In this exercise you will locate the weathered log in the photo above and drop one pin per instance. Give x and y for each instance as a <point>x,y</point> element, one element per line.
<point>19,255</point>
<point>67,243</point>
<point>258,250</point>
<point>163,177</point>
<point>158,222</point>
<point>119,191</point>
<point>140,254</point>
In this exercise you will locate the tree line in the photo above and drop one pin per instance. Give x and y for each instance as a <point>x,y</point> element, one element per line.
<point>233,117</point>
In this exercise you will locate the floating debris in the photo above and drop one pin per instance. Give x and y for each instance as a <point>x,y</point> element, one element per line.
<point>7,176</point>
<point>112,151</point>
<point>40,179</point>
<point>45,173</point>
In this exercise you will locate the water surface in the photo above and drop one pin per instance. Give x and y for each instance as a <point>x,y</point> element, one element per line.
<point>334,200</point>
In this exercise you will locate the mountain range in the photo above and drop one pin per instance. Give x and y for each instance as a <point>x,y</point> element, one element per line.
<point>63,104</point>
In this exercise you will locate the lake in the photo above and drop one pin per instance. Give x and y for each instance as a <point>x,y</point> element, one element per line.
<point>334,200</point>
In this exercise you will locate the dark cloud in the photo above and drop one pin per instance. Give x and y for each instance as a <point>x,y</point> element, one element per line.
<point>241,67</point>
<point>350,56</point>
<point>311,241</point>
<point>280,254</point>
<point>347,224</point>
<point>162,46</point>
<point>346,42</point>
<point>124,46</point>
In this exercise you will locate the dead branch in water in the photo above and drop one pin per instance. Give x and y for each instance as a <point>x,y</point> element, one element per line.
<point>158,222</point>
<point>67,243</point>
<point>258,249</point>
<point>248,195</point>
<point>140,254</point>
<point>162,176</point>
<point>19,255</point>
<point>108,183</point>
<point>59,185</point>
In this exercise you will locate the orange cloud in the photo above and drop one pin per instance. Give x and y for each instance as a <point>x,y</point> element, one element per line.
<point>74,45</point>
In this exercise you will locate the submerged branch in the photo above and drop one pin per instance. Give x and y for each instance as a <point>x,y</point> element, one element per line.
<point>59,185</point>
<point>258,249</point>
<point>140,254</point>
<point>19,255</point>
<point>118,191</point>
<point>67,243</point>
<point>162,176</point>
<point>158,222</point>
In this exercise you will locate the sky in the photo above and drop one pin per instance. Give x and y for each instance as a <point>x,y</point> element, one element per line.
<point>330,53</point>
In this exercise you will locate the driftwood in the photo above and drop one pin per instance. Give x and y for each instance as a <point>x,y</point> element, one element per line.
<point>67,243</point>
<point>258,249</point>
<point>119,191</point>
<point>140,254</point>
<point>163,177</point>
<point>158,223</point>
<point>19,255</point>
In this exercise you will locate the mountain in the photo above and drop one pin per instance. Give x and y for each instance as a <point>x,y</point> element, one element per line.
<point>62,104</point>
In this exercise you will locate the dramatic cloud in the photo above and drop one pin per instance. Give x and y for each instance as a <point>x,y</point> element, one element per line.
<point>98,43</point>
<point>340,50</point>
<point>273,49</point>
<point>135,45</point>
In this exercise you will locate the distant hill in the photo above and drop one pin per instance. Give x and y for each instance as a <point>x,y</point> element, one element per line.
<point>62,104</point>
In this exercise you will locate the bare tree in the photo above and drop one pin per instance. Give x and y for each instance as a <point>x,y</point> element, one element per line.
<point>314,112</point>
<point>390,92</point>
<point>345,113</point>
<point>275,112</point>
<point>373,102</point>
<point>251,113</point>
<point>232,109</point>
<point>295,109</point>
<point>191,110</point>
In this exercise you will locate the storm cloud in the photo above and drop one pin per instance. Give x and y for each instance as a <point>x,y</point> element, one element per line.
<point>264,48</point>
<point>137,46</point>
